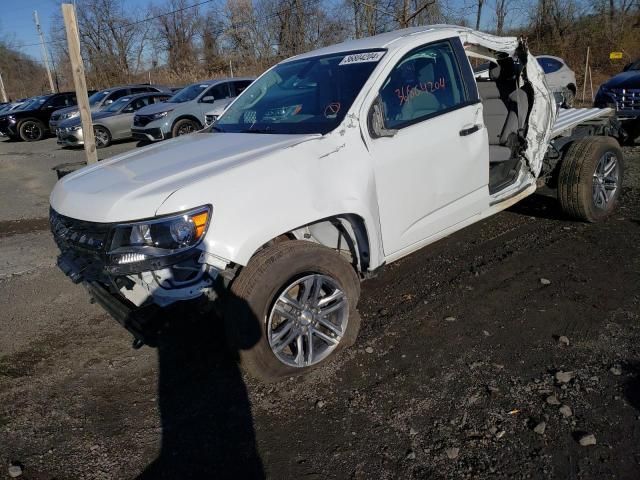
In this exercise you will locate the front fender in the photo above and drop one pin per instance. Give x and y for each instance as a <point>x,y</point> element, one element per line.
<point>255,202</point>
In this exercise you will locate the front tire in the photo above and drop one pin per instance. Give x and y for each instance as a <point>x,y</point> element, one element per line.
<point>590,178</point>
<point>185,127</point>
<point>102,136</point>
<point>291,309</point>
<point>31,130</point>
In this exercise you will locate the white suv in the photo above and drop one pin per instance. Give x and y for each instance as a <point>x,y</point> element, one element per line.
<point>329,166</point>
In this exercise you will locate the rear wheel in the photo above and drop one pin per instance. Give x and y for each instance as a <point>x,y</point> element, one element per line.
<point>102,136</point>
<point>590,178</point>
<point>31,130</point>
<point>185,127</point>
<point>291,309</point>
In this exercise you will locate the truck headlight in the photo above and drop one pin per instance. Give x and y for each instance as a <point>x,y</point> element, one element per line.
<point>158,238</point>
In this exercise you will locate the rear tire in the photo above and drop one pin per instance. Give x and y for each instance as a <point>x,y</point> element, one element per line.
<point>31,130</point>
<point>590,178</point>
<point>262,304</point>
<point>185,127</point>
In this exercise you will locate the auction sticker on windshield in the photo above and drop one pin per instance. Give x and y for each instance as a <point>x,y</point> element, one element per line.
<point>361,58</point>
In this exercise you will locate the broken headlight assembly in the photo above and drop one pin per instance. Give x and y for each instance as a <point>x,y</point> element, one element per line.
<point>156,243</point>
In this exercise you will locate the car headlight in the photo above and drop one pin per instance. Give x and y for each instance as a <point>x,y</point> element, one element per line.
<point>158,238</point>
<point>156,116</point>
<point>75,128</point>
<point>11,119</point>
<point>70,115</point>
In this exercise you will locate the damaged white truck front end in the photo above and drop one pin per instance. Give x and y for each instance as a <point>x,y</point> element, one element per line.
<point>328,166</point>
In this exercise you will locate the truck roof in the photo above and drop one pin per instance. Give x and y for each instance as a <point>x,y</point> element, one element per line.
<point>390,40</point>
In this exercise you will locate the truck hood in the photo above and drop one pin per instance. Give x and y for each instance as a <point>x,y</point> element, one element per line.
<point>134,185</point>
<point>629,79</point>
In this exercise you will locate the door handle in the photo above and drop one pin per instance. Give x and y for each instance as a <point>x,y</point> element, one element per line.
<point>468,131</point>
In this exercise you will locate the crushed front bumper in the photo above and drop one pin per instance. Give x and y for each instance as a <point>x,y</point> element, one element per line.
<point>137,299</point>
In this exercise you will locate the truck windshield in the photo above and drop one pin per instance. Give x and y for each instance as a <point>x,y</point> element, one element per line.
<point>311,95</point>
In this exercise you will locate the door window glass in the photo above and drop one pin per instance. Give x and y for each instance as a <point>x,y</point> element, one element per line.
<point>219,92</point>
<point>240,85</point>
<point>549,65</point>
<point>423,83</point>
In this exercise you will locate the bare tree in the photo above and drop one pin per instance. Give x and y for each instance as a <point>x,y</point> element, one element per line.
<point>178,26</point>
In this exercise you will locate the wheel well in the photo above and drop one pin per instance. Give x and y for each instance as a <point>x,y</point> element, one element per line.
<point>347,234</point>
<point>186,117</point>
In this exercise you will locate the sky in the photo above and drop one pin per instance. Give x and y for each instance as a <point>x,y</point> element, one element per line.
<point>17,25</point>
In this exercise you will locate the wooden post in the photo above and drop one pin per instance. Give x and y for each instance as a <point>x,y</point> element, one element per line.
<point>2,90</point>
<point>586,71</point>
<point>77,67</point>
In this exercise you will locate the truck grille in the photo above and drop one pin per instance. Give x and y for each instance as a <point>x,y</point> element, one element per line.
<point>78,234</point>
<point>627,98</point>
<point>83,247</point>
<point>142,120</point>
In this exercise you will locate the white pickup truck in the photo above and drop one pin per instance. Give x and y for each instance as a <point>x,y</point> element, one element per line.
<point>330,165</point>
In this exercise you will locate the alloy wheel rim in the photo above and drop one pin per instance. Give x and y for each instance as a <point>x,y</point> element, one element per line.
<point>308,320</point>
<point>32,130</point>
<point>605,180</point>
<point>101,137</point>
<point>186,129</point>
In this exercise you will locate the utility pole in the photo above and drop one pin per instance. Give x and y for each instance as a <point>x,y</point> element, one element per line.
<point>45,55</point>
<point>2,90</point>
<point>77,68</point>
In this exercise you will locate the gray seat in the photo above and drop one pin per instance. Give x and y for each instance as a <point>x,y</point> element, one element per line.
<point>505,109</point>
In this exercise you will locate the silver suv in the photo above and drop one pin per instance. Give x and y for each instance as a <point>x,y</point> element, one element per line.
<point>185,111</point>
<point>103,98</point>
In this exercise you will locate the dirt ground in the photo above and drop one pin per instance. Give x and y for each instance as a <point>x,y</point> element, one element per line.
<point>460,370</point>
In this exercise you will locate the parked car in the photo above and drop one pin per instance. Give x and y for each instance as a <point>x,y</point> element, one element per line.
<point>8,107</point>
<point>111,123</point>
<point>560,78</point>
<point>329,166</point>
<point>622,93</point>
<point>30,121</point>
<point>185,111</point>
<point>103,98</point>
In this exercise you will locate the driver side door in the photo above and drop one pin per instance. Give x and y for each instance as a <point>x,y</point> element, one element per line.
<point>433,173</point>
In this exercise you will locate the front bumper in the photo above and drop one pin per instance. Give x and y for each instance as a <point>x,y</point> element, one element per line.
<point>149,134</point>
<point>128,294</point>
<point>7,128</point>
<point>69,138</point>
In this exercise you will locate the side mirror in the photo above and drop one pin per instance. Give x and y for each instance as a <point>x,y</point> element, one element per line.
<point>377,122</point>
<point>208,99</point>
<point>108,102</point>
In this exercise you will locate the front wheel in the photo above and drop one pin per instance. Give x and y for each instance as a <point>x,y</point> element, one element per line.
<point>185,127</point>
<point>590,178</point>
<point>31,130</point>
<point>291,309</point>
<point>102,136</point>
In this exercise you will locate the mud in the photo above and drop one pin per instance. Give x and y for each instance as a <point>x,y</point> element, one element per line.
<point>465,350</point>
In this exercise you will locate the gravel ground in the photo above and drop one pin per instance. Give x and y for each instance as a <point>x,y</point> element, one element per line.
<point>494,353</point>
